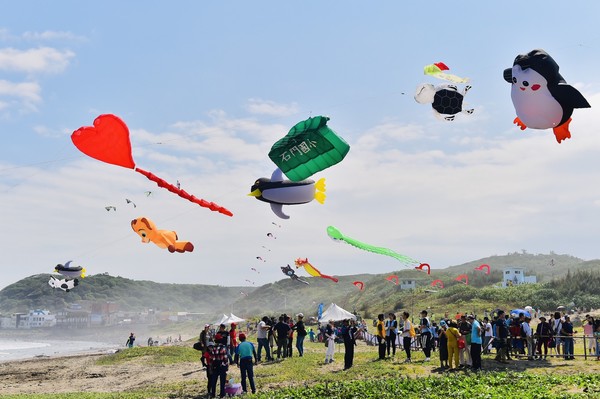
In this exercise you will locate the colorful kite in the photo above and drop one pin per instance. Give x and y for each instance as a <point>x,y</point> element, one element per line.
<point>64,284</point>
<point>424,265</point>
<point>108,141</point>
<point>463,278</point>
<point>337,235</point>
<point>288,271</point>
<point>309,147</point>
<point>445,100</point>
<point>541,96</point>
<point>310,269</point>
<point>439,283</point>
<point>279,192</point>
<point>436,69</point>
<point>484,266</point>
<point>393,279</point>
<point>359,284</point>
<point>69,271</point>
<point>146,229</point>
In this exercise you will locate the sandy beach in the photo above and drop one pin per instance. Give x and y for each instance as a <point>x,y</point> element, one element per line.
<point>79,373</point>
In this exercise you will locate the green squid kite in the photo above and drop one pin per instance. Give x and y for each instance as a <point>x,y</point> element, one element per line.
<point>338,236</point>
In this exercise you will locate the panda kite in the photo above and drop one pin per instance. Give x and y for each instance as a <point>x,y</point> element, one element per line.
<point>541,96</point>
<point>445,100</point>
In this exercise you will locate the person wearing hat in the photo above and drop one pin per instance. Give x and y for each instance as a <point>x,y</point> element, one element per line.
<point>300,333</point>
<point>203,339</point>
<point>243,359</point>
<point>206,363</point>
<point>543,334</point>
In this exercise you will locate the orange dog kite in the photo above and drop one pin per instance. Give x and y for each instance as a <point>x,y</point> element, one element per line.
<point>146,229</point>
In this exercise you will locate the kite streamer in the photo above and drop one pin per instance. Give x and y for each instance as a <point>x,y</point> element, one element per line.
<point>337,235</point>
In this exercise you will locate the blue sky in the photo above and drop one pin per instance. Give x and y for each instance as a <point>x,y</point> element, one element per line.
<point>217,83</point>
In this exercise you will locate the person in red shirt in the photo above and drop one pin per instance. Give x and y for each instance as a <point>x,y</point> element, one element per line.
<point>232,339</point>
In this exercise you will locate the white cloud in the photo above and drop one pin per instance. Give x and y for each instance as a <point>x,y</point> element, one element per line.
<point>49,35</point>
<point>38,60</point>
<point>28,94</point>
<point>271,108</point>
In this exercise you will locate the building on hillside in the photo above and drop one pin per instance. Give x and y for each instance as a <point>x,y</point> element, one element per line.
<point>12,321</point>
<point>73,317</point>
<point>37,319</point>
<point>104,313</point>
<point>408,284</point>
<point>516,276</point>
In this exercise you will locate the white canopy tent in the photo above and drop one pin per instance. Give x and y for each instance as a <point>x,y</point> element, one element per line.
<point>335,313</point>
<point>229,319</point>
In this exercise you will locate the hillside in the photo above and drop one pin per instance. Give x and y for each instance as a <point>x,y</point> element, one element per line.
<point>34,293</point>
<point>379,294</point>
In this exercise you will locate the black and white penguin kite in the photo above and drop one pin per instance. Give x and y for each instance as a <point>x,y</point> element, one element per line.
<point>278,192</point>
<point>541,96</point>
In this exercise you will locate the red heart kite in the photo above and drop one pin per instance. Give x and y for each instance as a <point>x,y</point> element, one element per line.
<point>108,141</point>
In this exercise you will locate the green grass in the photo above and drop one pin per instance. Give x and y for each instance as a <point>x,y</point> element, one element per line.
<point>308,377</point>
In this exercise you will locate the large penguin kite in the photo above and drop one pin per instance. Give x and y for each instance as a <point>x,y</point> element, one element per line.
<point>541,96</point>
<point>278,192</point>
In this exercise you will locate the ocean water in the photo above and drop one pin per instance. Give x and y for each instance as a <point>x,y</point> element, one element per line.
<point>18,349</point>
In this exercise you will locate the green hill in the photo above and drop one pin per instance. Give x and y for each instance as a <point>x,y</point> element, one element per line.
<point>564,278</point>
<point>34,293</point>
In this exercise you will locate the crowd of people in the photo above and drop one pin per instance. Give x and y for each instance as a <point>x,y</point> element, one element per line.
<point>460,341</point>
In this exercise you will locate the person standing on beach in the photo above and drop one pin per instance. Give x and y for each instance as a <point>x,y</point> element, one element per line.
<point>262,333</point>
<point>330,342</point>
<point>130,341</point>
<point>282,329</point>
<point>300,333</point>
<point>408,333</point>
<point>243,358</point>
<point>349,331</point>
<point>219,363</point>
<point>380,335</point>
<point>391,326</point>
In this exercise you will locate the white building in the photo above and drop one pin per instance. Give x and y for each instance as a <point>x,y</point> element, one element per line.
<point>408,284</point>
<point>516,276</point>
<point>37,318</point>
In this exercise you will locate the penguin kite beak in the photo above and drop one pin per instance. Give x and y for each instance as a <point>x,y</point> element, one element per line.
<point>255,193</point>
